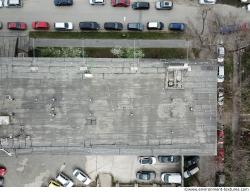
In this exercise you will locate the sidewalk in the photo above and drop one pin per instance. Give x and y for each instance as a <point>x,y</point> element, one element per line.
<point>173,43</point>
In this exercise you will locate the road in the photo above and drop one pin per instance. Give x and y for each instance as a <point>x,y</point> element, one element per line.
<point>184,11</point>
<point>174,43</point>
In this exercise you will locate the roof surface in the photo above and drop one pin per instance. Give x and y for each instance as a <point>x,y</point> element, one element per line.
<point>125,108</point>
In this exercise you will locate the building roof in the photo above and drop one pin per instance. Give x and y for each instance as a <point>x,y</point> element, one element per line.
<point>110,106</point>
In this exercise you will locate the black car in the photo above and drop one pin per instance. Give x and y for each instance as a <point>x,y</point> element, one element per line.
<point>145,175</point>
<point>63,2</point>
<point>113,26</point>
<point>89,25</point>
<point>169,159</point>
<point>1,181</point>
<point>191,160</point>
<point>140,5</point>
<point>135,26</point>
<point>220,179</point>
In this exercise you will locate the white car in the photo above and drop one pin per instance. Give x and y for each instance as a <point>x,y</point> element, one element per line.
<point>147,160</point>
<point>207,2</point>
<point>64,180</point>
<point>81,176</point>
<point>97,2</point>
<point>220,74</point>
<point>171,178</point>
<point>63,26</point>
<point>1,3</point>
<point>248,7</point>
<point>220,53</point>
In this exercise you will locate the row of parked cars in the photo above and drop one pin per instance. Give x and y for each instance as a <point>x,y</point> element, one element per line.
<point>191,168</point>
<point>92,25</point>
<point>139,5</point>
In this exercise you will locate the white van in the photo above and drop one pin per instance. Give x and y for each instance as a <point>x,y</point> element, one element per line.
<point>171,178</point>
<point>220,74</point>
<point>63,26</point>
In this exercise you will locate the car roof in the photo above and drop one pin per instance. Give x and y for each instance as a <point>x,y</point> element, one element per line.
<point>153,24</point>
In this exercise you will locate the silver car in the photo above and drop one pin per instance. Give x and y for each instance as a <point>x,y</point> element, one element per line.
<point>164,5</point>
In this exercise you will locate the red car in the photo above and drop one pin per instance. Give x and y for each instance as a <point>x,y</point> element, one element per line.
<point>120,3</point>
<point>40,25</point>
<point>220,155</point>
<point>220,137</point>
<point>3,171</point>
<point>17,25</point>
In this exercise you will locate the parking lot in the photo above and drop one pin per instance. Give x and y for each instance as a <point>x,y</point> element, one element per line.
<point>37,170</point>
<point>82,11</point>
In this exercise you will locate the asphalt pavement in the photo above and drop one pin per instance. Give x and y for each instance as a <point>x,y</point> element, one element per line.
<point>183,11</point>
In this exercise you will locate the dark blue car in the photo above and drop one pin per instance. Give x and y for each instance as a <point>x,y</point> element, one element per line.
<point>176,26</point>
<point>63,2</point>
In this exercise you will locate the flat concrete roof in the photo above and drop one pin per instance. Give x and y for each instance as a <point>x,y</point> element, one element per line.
<point>125,108</point>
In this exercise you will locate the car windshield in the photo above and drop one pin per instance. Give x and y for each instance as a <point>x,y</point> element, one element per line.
<point>66,25</point>
<point>144,176</point>
<point>146,161</point>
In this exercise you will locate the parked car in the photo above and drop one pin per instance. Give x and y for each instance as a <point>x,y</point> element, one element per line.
<point>63,26</point>
<point>89,25</point>
<point>113,26</point>
<point>191,160</point>
<point>1,181</point>
<point>146,175</point>
<point>12,3</point>
<point>248,7</point>
<point>63,2</point>
<point>97,2</point>
<point>220,137</point>
<point>120,3</point>
<point>17,25</point>
<point>227,29</point>
<point>40,25</point>
<point>220,53</point>
<point>220,154</point>
<point>135,26</point>
<point>144,160</point>
<point>220,179</point>
<point>192,170</point>
<point>81,176</point>
<point>207,2</point>
<point>176,26</point>
<point>64,180</point>
<point>140,5</point>
<point>3,171</point>
<point>171,178</point>
<point>169,159</point>
<point>1,3</point>
<point>1,25</point>
<point>220,78</point>
<point>154,25</point>
<point>164,5</point>
<point>53,183</point>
